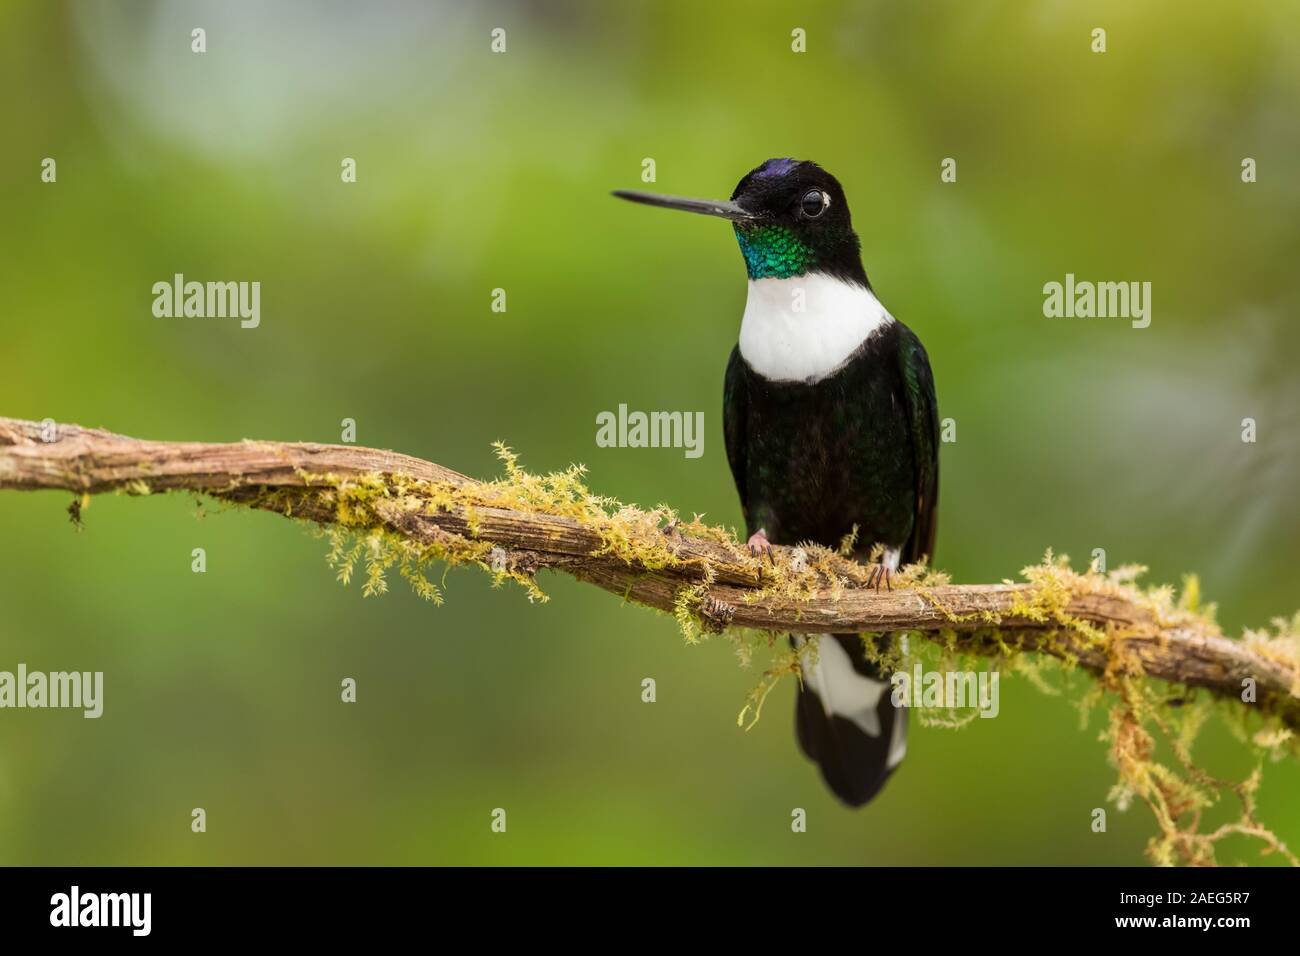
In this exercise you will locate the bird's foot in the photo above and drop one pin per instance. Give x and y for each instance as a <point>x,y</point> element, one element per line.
<point>882,572</point>
<point>760,546</point>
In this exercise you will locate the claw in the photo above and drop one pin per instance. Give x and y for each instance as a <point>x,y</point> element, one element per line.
<point>759,546</point>
<point>880,573</point>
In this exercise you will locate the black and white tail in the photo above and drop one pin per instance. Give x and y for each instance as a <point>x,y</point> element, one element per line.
<point>846,719</point>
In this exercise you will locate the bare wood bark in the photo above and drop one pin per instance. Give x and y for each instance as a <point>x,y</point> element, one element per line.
<point>83,460</point>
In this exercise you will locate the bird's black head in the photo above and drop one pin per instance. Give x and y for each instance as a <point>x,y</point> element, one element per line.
<point>790,217</point>
<point>801,222</point>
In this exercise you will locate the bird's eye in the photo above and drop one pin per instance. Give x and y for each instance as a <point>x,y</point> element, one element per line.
<point>814,203</point>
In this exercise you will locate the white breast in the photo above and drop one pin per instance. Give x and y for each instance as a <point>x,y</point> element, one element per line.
<point>803,329</point>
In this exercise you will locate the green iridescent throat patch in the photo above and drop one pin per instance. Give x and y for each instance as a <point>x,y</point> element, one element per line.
<point>773,252</point>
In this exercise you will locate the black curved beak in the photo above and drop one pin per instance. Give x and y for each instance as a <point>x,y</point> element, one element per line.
<point>722,208</point>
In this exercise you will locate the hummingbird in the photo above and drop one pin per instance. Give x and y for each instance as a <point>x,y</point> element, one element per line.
<point>832,434</point>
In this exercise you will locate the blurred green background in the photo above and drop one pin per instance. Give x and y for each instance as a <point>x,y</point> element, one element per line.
<point>478,171</point>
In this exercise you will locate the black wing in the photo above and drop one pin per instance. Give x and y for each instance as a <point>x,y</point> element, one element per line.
<point>735,412</point>
<point>923,426</point>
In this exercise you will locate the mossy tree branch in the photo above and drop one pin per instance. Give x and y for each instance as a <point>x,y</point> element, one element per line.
<point>1101,623</point>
